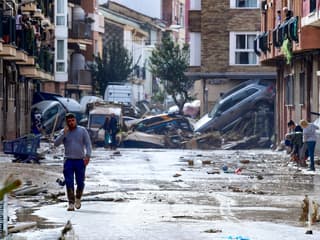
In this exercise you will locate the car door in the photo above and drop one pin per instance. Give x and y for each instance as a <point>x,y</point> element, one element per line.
<point>242,103</point>
<point>235,108</point>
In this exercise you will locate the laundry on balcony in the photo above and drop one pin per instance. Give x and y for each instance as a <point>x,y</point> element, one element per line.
<point>256,48</point>
<point>261,43</point>
<point>293,29</point>
<point>280,33</point>
<point>277,37</point>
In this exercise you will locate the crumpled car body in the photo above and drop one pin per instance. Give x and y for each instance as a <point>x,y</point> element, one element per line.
<point>52,115</point>
<point>162,124</point>
<point>248,96</point>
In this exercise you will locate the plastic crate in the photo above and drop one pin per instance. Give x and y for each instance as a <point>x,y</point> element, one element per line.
<point>28,145</point>
<point>11,146</point>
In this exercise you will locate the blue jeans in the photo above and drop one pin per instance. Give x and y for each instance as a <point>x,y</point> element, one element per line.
<point>71,168</point>
<point>311,146</point>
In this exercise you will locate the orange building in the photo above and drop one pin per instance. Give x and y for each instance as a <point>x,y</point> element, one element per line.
<point>289,40</point>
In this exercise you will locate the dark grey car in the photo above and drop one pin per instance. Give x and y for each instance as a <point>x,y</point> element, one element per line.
<point>52,115</point>
<point>252,95</point>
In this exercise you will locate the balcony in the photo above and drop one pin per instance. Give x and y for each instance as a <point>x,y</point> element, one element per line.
<point>80,80</point>
<point>29,7</point>
<point>311,13</point>
<point>45,60</point>
<point>80,32</point>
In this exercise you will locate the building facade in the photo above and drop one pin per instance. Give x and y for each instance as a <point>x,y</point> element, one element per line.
<point>222,54</point>
<point>26,60</point>
<point>289,40</point>
<point>139,34</point>
<point>85,31</point>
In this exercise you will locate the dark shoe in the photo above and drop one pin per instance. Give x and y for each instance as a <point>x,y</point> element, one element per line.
<point>310,169</point>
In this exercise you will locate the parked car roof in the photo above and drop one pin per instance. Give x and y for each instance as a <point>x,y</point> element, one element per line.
<point>70,104</point>
<point>43,105</point>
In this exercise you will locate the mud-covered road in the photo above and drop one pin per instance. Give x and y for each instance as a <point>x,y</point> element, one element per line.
<point>171,194</point>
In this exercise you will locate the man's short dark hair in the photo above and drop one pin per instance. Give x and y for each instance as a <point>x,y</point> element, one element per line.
<point>291,123</point>
<point>70,115</point>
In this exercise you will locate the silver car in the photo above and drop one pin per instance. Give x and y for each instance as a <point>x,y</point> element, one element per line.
<point>251,95</point>
<point>52,115</point>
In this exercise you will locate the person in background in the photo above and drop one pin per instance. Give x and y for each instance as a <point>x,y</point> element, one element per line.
<point>113,126</point>
<point>310,138</point>
<point>288,13</point>
<point>78,149</point>
<point>106,127</point>
<point>295,142</point>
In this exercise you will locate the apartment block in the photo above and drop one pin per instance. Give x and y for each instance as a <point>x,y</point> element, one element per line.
<point>289,41</point>
<point>222,53</point>
<point>26,60</point>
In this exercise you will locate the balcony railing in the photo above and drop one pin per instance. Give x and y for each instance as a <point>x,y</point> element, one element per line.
<point>80,30</point>
<point>80,77</point>
<point>311,13</point>
<point>45,60</point>
<point>286,30</point>
<point>8,29</point>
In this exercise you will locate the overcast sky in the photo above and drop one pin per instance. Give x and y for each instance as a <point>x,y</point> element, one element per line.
<point>148,7</point>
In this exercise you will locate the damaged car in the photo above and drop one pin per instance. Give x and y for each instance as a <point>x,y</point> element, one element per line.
<point>162,124</point>
<point>253,95</point>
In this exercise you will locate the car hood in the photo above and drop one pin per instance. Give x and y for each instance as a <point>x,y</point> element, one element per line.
<point>202,121</point>
<point>70,104</point>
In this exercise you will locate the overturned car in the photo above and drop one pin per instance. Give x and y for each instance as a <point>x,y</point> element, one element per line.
<point>250,96</point>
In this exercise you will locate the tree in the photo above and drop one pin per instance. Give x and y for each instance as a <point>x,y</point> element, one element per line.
<point>115,65</point>
<point>169,62</point>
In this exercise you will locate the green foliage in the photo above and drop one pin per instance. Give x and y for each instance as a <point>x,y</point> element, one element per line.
<point>169,62</point>
<point>115,65</point>
<point>287,50</point>
<point>158,96</point>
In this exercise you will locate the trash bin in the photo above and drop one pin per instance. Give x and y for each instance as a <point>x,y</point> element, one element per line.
<point>3,217</point>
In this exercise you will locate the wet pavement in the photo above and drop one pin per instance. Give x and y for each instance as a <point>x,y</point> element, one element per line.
<point>180,194</point>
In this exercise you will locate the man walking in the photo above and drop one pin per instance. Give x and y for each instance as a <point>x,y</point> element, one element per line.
<point>78,149</point>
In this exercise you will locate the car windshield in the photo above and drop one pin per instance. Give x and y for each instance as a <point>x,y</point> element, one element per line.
<point>97,120</point>
<point>214,110</point>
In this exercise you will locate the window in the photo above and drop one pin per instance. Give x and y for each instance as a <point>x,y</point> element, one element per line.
<point>195,49</point>
<point>60,18</point>
<point>242,49</point>
<point>244,3</point>
<point>302,88</point>
<point>289,90</point>
<point>313,5</point>
<point>181,15</point>
<point>60,63</point>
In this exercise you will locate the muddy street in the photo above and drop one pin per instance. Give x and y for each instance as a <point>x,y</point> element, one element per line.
<point>175,194</point>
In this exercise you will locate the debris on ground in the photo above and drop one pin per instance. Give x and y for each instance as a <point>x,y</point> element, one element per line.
<point>213,231</point>
<point>67,232</point>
